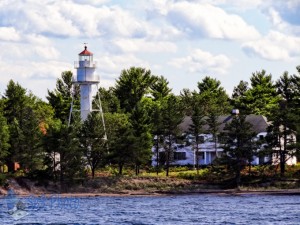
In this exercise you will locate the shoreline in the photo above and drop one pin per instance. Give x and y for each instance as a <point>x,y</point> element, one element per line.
<point>233,192</point>
<point>141,186</point>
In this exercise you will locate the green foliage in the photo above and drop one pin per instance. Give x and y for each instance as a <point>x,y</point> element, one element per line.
<point>132,85</point>
<point>92,141</point>
<point>261,98</point>
<point>239,147</point>
<point>160,89</point>
<point>110,102</point>
<point>4,139</point>
<point>213,95</point>
<point>172,116</point>
<point>60,98</point>
<point>121,140</point>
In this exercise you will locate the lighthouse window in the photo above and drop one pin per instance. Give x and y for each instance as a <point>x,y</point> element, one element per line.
<point>85,58</point>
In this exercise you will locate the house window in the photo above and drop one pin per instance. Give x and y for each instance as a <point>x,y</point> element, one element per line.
<point>200,155</point>
<point>201,139</point>
<point>179,155</point>
<point>261,137</point>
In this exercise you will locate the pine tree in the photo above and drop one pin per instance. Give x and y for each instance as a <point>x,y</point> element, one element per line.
<point>172,116</point>
<point>239,146</point>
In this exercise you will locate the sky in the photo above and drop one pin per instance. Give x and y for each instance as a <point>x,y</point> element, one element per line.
<point>182,40</point>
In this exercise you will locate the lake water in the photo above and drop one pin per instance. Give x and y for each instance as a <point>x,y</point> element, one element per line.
<point>183,209</point>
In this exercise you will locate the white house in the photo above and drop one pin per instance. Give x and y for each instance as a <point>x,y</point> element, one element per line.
<point>184,153</point>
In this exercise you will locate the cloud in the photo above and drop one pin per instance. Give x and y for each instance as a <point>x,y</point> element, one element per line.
<point>91,2</point>
<point>204,20</point>
<point>288,10</point>
<point>142,45</point>
<point>275,46</point>
<point>112,65</point>
<point>200,61</point>
<point>9,34</point>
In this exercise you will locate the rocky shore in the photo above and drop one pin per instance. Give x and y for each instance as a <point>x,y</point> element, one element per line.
<point>136,186</point>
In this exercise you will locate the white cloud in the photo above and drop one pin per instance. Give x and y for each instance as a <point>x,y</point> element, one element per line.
<point>275,46</point>
<point>204,20</point>
<point>9,34</point>
<point>200,61</point>
<point>113,64</point>
<point>35,76</point>
<point>238,4</point>
<point>143,45</point>
<point>91,2</point>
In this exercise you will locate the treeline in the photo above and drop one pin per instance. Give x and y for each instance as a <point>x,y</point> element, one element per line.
<point>140,111</point>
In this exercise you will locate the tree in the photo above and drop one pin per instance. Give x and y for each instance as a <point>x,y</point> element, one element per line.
<point>213,94</point>
<point>261,98</point>
<point>121,140</point>
<point>216,103</point>
<point>160,89</point>
<point>93,145</point>
<point>284,120</point>
<point>26,115</point>
<point>141,122</point>
<point>239,145</point>
<point>198,121</point>
<point>61,97</point>
<point>213,124</point>
<point>171,117</point>
<point>4,139</point>
<point>132,85</point>
<point>131,89</point>
<point>109,101</point>
<point>70,155</point>
<point>186,98</point>
<point>238,96</point>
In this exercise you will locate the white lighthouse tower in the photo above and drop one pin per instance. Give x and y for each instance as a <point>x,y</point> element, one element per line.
<point>86,78</point>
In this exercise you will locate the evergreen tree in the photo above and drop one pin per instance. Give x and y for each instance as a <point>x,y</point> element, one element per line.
<point>172,116</point>
<point>283,121</point>
<point>160,91</point>
<point>261,98</point>
<point>214,95</point>
<point>61,97</point>
<point>239,146</point>
<point>121,140</point>
<point>198,121</point>
<point>109,101</point>
<point>160,88</point>
<point>238,95</point>
<point>93,145</point>
<point>132,85</point>
<point>4,139</point>
<point>70,155</point>
<point>27,116</point>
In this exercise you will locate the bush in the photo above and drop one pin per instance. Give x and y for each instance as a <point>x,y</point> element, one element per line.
<point>3,180</point>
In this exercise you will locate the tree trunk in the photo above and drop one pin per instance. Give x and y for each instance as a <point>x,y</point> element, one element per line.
<point>137,169</point>
<point>238,174</point>
<point>282,163</point>
<point>167,163</point>
<point>93,172</point>
<point>120,168</point>
<point>157,157</point>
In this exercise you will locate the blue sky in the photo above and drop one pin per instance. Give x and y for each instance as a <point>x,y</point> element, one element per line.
<point>182,40</point>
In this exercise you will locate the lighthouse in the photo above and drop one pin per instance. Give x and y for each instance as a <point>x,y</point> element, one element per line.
<point>87,79</point>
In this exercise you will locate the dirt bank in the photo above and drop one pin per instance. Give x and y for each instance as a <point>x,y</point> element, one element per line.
<point>134,186</point>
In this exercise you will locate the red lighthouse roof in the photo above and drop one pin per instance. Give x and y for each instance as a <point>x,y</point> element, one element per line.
<point>85,52</point>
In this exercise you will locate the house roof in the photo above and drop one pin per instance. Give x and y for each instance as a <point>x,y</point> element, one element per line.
<point>259,123</point>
